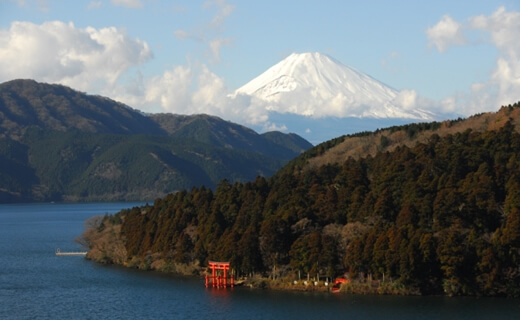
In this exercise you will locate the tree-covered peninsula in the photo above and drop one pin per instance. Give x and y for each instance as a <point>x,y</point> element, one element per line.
<point>426,208</point>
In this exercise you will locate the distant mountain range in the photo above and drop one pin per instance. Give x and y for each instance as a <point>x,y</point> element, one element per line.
<point>318,86</point>
<point>59,144</point>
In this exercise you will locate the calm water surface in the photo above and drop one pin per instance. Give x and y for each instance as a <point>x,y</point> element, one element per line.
<point>35,284</point>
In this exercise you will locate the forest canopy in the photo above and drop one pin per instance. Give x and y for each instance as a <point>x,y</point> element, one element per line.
<point>441,217</point>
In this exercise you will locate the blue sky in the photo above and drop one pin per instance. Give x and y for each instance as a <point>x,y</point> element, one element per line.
<point>186,56</point>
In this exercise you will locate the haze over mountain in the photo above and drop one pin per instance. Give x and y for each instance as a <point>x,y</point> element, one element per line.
<point>328,98</point>
<point>60,144</point>
<point>310,94</point>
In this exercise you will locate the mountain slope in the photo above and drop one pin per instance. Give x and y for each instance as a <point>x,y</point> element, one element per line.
<point>59,144</point>
<point>291,141</point>
<point>364,144</point>
<point>81,166</point>
<point>315,84</point>
<point>215,131</point>
<point>27,103</point>
<point>440,216</point>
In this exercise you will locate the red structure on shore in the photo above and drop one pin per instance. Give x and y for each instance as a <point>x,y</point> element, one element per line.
<point>337,284</point>
<point>219,279</point>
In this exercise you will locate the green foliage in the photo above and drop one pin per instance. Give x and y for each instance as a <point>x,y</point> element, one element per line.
<point>441,217</point>
<point>414,128</point>
<point>16,177</point>
<point>301,160</point>
<point>27,103</point>
<point>58,144</point>
<point>76,165</point>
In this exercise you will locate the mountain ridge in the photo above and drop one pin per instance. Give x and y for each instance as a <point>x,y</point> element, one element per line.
<point>369,143</point>
<point>434,212</point>
<point>27,103</point>
<point>58,144</point>
<point>334,89</point>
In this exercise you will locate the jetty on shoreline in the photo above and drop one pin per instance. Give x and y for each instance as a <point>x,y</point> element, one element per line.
<point>72,253</point>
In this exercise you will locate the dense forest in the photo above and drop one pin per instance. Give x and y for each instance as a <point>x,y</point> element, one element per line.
<point>58,144</point>
<point>441,217</point>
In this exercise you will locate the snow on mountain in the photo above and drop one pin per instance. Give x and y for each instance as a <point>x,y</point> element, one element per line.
<point>314,84</point>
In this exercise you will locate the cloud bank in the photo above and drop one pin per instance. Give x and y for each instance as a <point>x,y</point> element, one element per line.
<point>446,33</point>
<point>501,29</point>
<point>107,61</point>
<point>127,3</point>
<point>195,89</point>
<point>86,59</point>
<point>210,34</point>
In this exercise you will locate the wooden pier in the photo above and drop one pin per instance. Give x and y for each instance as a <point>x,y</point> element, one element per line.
<point>72,253</point>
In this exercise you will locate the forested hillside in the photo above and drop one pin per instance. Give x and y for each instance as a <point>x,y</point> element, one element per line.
<point>439,217</point>
<point>27,104</point>
<point>58,144</point>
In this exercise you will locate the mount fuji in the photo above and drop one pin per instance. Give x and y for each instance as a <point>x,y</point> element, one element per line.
<point>329,98</point>
<point>317,85</point>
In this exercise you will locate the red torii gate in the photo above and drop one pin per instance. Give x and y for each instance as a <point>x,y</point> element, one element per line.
<point>221,279</point>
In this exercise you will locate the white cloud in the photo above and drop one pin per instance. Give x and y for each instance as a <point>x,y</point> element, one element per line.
<point>193,89</point>
<point>393,62</point>
<point>223,11</point>
<point>269,126</point>
<point>304,101</point>
<point>127,3</point>
<point>446,33</point>
<point>211,33</point>
<point>42,5</point>
<point>407,99</point>
<point>210,94</point>
<point>171,90</point>
<point>183,35</point>
<point>94,5</point>
<point>20,3</point>
<point>57,52</point>
<point>391,56</point>
<point>97,60</point>
<point>503,27</point>
<point>449,105</point>
<point>502,30</point>
<point>215,46</point>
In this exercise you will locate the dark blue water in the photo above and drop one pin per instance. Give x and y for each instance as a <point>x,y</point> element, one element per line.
<point>35,284</point>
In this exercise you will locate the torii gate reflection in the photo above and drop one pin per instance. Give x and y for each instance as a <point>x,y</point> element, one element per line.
<point>219,280</point>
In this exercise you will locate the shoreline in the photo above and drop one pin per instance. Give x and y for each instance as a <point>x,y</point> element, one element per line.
<point>263,283</point>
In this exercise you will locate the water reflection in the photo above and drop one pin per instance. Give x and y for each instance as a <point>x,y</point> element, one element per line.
<point>35,284</point>
<point>219,300</point>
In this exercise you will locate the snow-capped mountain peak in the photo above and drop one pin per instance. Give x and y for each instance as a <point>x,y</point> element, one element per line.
<point>315,84</point>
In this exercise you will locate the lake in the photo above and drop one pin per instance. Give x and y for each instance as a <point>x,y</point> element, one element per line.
<point>36,284</point>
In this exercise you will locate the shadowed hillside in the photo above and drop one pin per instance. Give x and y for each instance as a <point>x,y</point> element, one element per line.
<point>363,144</point>
<point>58,144</point>
<point>434,209</point>
<point>27,103</point>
